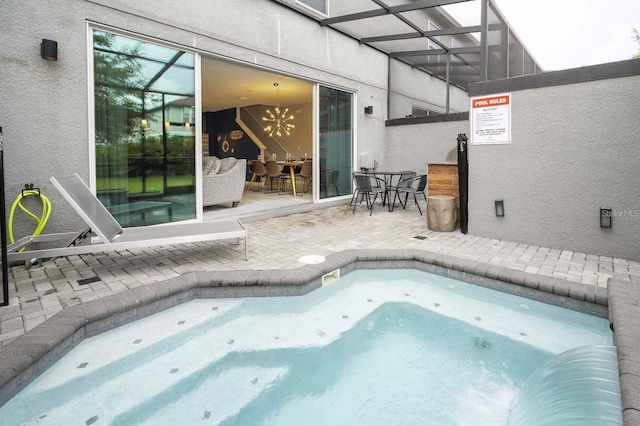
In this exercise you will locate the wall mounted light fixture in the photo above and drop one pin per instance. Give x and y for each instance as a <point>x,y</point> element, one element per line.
<point>605,217</point>
<point>499,208</point>
<point>368,109</point>
<point>49,50</point>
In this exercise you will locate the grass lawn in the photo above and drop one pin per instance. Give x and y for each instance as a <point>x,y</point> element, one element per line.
<point>134,184</point>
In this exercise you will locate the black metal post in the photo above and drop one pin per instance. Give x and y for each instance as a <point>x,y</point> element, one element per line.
<point>3,230</point>
<point>448,82</point>
<point>165,160</point>
<point>484,42</point>
<point>463,181</point>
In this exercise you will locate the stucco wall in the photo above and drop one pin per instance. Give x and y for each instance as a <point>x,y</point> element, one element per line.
<point>412,147</point>
<point>574,149</point>
<point>45,109</point>
<point>409,87</point>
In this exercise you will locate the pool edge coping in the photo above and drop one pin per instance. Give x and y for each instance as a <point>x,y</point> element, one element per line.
<point>624,320</point>
<point>29,355</point>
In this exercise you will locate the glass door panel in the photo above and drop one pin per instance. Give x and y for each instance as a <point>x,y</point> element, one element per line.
<point>144,130</point>
<point>335,142</point>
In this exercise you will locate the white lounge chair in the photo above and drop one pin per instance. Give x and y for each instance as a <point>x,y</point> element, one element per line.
<point>111,235</point>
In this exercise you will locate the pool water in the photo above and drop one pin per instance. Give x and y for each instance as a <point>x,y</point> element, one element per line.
<point>374,347</point>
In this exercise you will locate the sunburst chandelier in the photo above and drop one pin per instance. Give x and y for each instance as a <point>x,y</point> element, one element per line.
<point>278,122</point>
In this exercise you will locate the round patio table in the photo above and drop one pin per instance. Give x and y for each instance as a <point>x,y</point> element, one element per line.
<point>389,178</point>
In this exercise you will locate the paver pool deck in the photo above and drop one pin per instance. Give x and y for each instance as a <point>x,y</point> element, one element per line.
<point>279,239</point>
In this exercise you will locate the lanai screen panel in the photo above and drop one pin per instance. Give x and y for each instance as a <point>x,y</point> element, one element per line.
<point>421,34</point>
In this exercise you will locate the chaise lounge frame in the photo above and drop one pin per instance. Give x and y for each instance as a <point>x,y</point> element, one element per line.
<point>111,235</point>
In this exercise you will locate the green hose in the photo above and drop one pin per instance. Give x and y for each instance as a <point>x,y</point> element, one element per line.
<point>40,221</point>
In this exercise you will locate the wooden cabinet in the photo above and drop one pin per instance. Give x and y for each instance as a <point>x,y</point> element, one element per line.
<point>443,180</point>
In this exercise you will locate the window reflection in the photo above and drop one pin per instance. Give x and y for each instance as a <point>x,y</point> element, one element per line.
<point>336,142</point>
<point>144,130</point>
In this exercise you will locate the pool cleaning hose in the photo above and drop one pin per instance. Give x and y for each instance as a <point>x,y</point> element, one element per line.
<point>40,221</point>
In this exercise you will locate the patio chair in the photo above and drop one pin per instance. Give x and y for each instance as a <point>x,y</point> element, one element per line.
<point>407,189</point>
<point>405,179</point>
<point>112,236</point>
<point>367,185</point>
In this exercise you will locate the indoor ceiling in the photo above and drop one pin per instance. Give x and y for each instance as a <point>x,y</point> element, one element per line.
<point>228,85</point>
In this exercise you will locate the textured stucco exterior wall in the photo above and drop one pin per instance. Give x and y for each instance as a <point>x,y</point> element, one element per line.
<point>412,147</point>
<point>574,149</point>
<point>410,87</point>
<point>45,108</point>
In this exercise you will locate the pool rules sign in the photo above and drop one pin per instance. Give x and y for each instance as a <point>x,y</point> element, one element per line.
<point>491,119</point>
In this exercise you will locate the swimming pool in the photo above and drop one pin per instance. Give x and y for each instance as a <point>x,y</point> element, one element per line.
<point>375,347</point>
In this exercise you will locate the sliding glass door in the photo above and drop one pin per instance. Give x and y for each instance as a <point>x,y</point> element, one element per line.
<point>335,143</point>
<point>144,98</point>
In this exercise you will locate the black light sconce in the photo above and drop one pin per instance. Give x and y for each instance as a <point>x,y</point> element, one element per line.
<point>499,208</point>
<point>605,217</point>
<point>368,109</point>
<point>49,50</point>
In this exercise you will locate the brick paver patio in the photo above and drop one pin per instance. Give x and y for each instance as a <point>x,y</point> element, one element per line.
<point>40,291</point>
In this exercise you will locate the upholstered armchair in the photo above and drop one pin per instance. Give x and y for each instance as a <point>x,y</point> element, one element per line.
<point>223,180</point>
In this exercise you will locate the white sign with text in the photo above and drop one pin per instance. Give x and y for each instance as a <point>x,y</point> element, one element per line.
<point>491,119</point>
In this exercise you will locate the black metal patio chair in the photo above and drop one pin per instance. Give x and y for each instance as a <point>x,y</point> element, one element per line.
<point>408,188</point>
<point>404,180</point>
<point>366,186</point>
